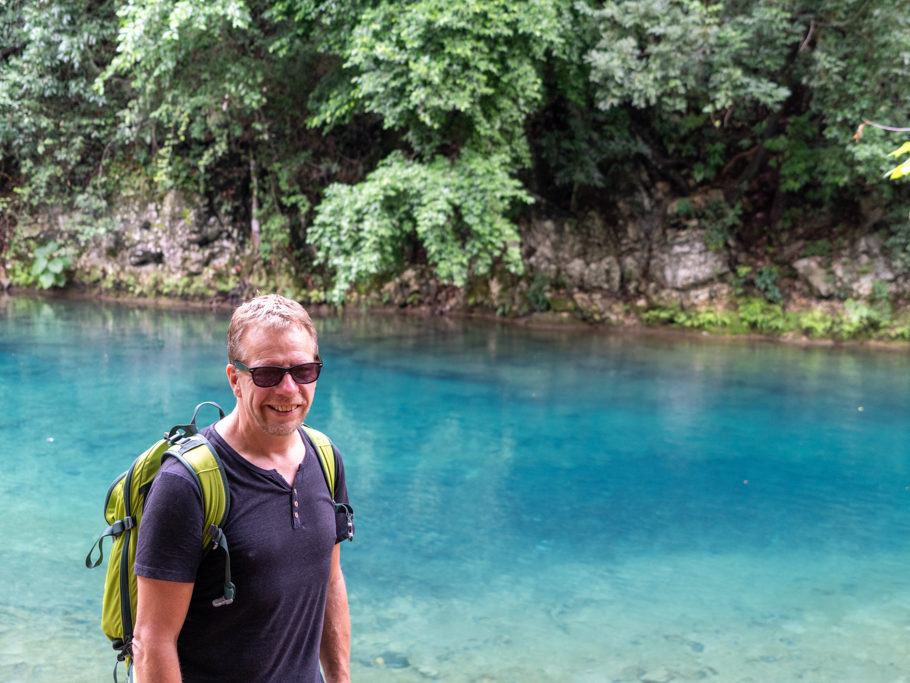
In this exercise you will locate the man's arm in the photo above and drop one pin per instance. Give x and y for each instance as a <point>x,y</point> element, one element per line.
<point>160,612</point>
<point>335,651</point>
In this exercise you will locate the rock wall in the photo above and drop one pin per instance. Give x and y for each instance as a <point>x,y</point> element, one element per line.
<point>854,272</point>
<point>601,268</point>
<point>165,247</point>
<point>166,241</point>
<point>633,263</point>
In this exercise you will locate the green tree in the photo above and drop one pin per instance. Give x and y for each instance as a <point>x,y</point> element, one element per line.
<point>455,210</point>
<point>370,134</point>
<point>55,130</point>
<point>457,81</point>
<point>737,92</point>
<point>218,107</point>
<point>196,77</point>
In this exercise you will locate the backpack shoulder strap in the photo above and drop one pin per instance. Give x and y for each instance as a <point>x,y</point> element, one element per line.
<point>200,459</point>
<point>202,462</point>
<point>326,452</point>
<point>195,452</point>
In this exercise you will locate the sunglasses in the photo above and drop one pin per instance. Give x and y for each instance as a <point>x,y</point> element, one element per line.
<point>270,375</point>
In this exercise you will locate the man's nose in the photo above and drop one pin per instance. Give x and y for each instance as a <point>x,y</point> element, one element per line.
<point>287,382</point>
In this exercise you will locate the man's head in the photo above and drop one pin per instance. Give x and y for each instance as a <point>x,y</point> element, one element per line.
<point>268,333</point>
<point>272,312</point>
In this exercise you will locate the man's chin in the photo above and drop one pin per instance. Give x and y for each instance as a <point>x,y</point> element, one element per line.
<point>276,428</point>
<point>281,429</point>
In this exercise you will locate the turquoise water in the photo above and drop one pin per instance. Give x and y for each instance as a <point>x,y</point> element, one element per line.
<point>531,506</point>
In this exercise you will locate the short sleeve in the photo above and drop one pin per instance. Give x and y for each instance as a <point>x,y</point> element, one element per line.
<point>170,530</point>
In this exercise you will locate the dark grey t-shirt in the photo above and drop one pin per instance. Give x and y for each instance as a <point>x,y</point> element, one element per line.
<point>280,538</point>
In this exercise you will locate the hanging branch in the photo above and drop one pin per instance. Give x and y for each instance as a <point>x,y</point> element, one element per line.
<point>891,128</point>
<point>805,43</point>
<point>867,122</point>
<point>254,203</point>
<point>813,25</point>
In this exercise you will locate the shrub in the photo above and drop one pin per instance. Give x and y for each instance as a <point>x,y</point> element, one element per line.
<point>50,266</point>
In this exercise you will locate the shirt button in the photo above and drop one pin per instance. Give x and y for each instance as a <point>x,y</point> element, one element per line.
<point>296,504</point>
<point>296,515</point>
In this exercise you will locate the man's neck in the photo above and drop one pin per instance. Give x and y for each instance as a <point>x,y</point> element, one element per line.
<point>281,452</point>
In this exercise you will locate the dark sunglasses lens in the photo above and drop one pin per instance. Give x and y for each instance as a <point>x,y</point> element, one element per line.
<point>305,374</point>
<point>267,377</point>
<point>270,376</point>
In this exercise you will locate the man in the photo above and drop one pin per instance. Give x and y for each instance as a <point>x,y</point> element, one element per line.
<point>291,609</point>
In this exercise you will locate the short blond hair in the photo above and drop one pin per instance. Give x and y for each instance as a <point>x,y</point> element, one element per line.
<point>271,311</point>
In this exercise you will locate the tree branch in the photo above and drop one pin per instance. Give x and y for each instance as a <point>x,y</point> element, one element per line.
<point>805,43</point>
<point>883,127</point>
<point>853,18</point>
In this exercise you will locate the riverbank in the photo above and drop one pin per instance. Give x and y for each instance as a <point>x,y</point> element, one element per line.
<point>638,270</point>
<point>632,325</point>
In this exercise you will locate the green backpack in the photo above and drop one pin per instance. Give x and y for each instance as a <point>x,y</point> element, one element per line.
<point>123,512</point>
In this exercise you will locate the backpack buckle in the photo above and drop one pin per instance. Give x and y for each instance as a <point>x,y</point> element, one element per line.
<point>349,516</point>
<point>225,599</point>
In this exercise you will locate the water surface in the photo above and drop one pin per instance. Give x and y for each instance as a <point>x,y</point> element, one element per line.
<point>531,506</point>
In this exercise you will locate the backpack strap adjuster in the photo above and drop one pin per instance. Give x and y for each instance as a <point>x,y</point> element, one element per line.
<point>220,541</point>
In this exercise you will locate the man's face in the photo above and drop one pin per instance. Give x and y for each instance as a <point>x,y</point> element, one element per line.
<point>280,409</point>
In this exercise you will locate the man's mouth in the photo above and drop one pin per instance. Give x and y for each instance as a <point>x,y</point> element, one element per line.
<point>283,409</point>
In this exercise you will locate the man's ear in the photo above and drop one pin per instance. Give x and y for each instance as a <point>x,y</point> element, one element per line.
<point>233,378</point>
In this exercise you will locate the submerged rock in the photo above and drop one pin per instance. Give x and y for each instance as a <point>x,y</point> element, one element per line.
<point>392,660</point>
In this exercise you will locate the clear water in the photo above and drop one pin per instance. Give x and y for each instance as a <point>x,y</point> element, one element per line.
<point>531,506</point>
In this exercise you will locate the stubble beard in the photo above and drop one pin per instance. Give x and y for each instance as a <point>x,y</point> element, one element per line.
<point>279,429</point>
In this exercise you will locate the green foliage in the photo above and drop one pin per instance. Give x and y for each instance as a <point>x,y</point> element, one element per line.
<point>864,318</point>
<point>799,156</point>
<point>822,247</point>
<point>766,280</point>
<point>709,320</point>
<point>281,208</point>
<point>814,324</point>
<point>50,266</point>
<point>716,217</point>
<point>537,294</point>
<point>458,80</point>
<point>196,71</point>
<point>860,318</point>
<point>762,316</point>
<point>54,129</point>
<point>455,210</point>
<point>673,53</point>
<point>447,73</point>
<point>218,100</point>
<point>588,147</point>
<point>799,76</point>
<point>903,168</point>
<point>454,82</point>
<point>438,119</point>
<point>855,70</point>
<point>739,278</point>
<point>720,221</point>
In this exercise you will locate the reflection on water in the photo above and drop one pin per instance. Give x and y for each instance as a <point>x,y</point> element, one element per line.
<point>531,505</point>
